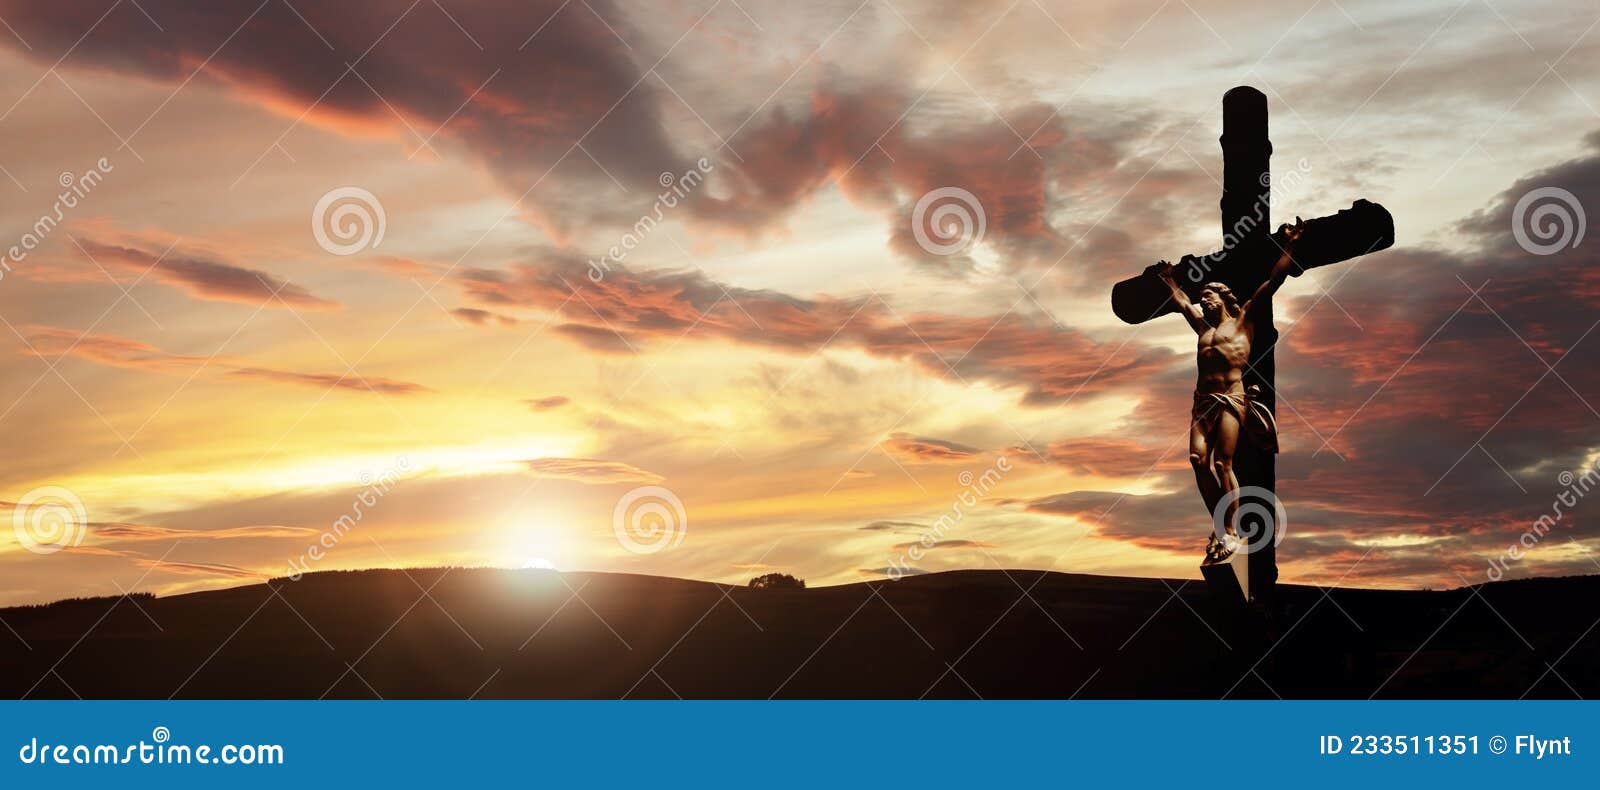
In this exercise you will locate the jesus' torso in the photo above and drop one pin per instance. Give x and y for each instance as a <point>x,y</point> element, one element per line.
<point>1223,353</point>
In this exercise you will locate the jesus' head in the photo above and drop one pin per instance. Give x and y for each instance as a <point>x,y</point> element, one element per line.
<point>1217,302</point>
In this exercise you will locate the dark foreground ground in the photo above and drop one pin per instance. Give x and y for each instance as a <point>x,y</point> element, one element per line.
<point>496,633</point>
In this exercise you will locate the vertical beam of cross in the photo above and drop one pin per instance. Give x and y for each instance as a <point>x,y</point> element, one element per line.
<point>1247,218</point>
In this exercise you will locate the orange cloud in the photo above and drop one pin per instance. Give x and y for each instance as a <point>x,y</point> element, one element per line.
<point>546,404</point>
<point>944,544</point>
<point>593,472</point>
<point>349,381</point>
<point>116,532</point>
<point>918,448</point>
<point>476,317</point>
<point>125,353</point>
<point>110,350</point>
<point>626,308</point>
<point>206,569</point>
<point>206,279</point>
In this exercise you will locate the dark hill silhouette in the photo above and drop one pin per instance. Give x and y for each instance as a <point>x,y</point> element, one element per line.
<point>502,633</point>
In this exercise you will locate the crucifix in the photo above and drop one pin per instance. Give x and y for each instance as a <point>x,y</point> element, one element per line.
<point>1226,296</point>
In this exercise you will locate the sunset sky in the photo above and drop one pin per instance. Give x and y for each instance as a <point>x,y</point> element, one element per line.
<point>217,388</point>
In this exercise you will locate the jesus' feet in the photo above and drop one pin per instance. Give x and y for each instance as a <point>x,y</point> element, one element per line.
<point>1220,549</point>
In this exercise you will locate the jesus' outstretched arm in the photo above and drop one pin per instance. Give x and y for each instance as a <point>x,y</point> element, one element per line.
<point>1191,311</point>
<point>1280,269</point>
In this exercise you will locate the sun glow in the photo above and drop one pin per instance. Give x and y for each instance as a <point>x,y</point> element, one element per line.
<point>170,489</point>
<point>543,543</point>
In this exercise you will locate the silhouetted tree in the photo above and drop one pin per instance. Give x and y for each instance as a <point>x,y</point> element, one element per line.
<point>777,581</point>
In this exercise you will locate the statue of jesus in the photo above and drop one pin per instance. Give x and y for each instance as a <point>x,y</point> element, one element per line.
<point>1224,409</point>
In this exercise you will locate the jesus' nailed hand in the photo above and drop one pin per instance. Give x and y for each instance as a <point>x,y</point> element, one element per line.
<point>1223,408</point>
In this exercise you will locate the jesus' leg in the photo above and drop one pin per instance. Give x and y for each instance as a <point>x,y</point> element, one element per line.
<point>1224,441</point>
<point>1200,459</point>
<point>1205,480</point>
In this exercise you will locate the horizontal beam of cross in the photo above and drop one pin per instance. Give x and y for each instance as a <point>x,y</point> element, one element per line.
<point>1363,228</point>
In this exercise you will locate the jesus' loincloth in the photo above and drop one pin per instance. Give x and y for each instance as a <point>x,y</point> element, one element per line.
<point>1256,420</point>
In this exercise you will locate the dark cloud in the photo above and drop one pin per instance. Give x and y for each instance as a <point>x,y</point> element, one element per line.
<point>626,308</point>
<point>862,141</point>
<point>534,80</point>
<point>1167,522</point>
<point>1108,456</point>
<point>518,94</point>
<point>206,279</point>
<point>1432,359</point>
<point>1040,194</point>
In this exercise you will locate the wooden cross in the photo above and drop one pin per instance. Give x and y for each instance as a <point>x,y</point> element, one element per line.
<point>1248,252</point>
